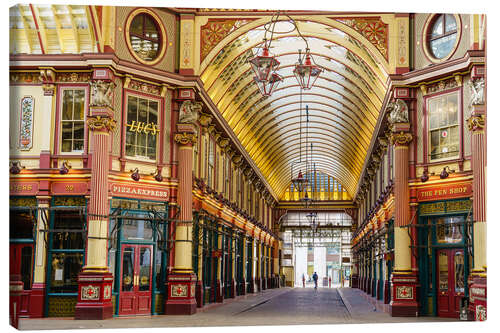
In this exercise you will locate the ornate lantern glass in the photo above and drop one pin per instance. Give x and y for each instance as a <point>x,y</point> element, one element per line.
<point>299,182</point>
<point>263,65</point>
<point>268,87</point>
<point>307,73</point>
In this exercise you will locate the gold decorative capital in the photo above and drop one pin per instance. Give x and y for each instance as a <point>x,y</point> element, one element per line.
<point>476,122</point>
<point>99,123</point>
<point>205,119</point>
<point>185,138</point>
<point>223,142</point>
<point>401,138</point>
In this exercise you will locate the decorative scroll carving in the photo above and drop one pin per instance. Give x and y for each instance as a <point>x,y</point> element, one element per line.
<point>144,87</point>
<point>373,29</point>
<point>26,130</point>
<point>440,86</point>
<point>237,159</point>
<point>73,77</point>
<point>476,88</point>
<point>223,142</point>
<point>189,111</point>
<point>476,122</point>
<point>185,138</point>
<point>205,119</point>
<point>25,77</point>
<point>99,123</point>
<point>398,112</point>
<point>216,30</point>
<point>101,93</point>
<point>401,138</point>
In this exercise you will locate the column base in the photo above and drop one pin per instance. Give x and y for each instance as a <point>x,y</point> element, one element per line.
<point>219,296</point>
<point>369,286</point>
<point>199,294</point>
<point>252,286</point>
<point>404,295</point>
<point>243,288</point>
<point>354,281</point>
<point>181,294</point>
<point>232,289</point>
<point>387,285</point>
<point>258,284</point>
<point>37,300</point>
<point>478,293</point>
<point>94,296</point>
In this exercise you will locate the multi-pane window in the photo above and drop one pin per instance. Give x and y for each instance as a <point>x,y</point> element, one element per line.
<point>142,127</point>
<point>442,35</point>
<point>72,120</point>
<point>443,126</point>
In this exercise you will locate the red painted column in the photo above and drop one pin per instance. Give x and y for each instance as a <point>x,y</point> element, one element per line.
<point>181,285</point>
<point>403,280</point>
<point>95,280</point>
<point>477,278</point>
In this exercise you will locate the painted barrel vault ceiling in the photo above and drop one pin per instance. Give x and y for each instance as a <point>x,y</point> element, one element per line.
<point>343,105</point>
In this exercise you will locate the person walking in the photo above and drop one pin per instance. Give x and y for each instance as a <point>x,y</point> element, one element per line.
<point>303,281</point>
<point>315,278</point>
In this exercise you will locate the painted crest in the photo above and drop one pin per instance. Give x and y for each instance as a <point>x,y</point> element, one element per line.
<point>90,292</point>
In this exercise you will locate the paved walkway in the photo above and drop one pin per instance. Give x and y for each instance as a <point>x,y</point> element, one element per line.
<point>285,306</point>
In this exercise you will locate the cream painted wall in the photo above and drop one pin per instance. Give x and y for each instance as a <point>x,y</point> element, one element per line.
<point>16,94</point>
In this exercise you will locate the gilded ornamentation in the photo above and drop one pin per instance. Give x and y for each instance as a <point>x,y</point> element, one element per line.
<point>179,290</point>
<point>401,138</point>
<point>26,130</point>
<point>90,292</point>
<point>22,202</point>
<point>144,87</point>
<point>107,292</point>
<point>69,201</point>
<point>237,159</point>
<point>25,77</point>
<point>101,93</point>
<point>398,112</point>
<point>439,86</point>
<point>205,119</point>
<point>476,88</point>
<point>73,77</point>
<point>216,30</point>
<point>98,123</point>
<point>223,142</point>
<point>476,122</point>
<point>47,76</point>
<point>373,29</point>
<point>185,138</point>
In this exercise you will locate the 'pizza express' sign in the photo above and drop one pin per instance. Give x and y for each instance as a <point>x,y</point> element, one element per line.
<point>139,192</point>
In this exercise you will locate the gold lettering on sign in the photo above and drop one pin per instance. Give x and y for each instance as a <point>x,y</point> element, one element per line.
<point>20,188</point>
<point>433,208</point>
<point>140,127</point>
<point>69,188</point>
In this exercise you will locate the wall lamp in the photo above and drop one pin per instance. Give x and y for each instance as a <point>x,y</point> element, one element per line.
<point>64,169</point>
<point>158,176</point>
<point>135,174</point>
<point>16,167</point>
<point>444,174</point>
<point>425,176</point>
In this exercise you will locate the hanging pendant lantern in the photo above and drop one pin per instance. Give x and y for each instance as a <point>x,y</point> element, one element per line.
<point>268,87</point>
<point>306,73</point>
<point>299,182</point>
<point>263,65</point>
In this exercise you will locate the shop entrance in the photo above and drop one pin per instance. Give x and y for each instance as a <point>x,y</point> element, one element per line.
<point>451,281</point>
<point>135,296</point>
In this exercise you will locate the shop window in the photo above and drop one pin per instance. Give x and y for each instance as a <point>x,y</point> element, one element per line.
<point>142,128</point>
<point>137,230</point>
<point>443,126</point>
<point>72,120</point>
<point>67,251</point>
<point>458,261</point>
<point>442,35</point>
<point>443,271</point>
<point>449,229</point>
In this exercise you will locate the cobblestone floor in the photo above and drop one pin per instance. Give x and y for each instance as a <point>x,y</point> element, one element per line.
<point>285,306</point>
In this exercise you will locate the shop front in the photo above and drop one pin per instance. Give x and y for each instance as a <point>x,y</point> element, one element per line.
<point>445,238</point>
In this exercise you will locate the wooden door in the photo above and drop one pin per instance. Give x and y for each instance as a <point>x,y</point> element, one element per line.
<point>21,268</point>
<point>136,272</point>
<point>451,281</point>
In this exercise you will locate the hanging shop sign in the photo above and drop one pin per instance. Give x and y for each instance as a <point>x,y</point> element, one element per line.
<point>443,192</point>
<point>442,207</point>
<point>23,188</point>
<point>69,188</point>
<point>139,192</point>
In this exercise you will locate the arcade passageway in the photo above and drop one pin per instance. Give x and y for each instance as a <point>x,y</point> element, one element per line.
<point>285,306</point>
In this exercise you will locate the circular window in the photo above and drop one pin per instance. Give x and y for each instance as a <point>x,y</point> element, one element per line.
<point>442,36</point>
<point>145,36</point>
